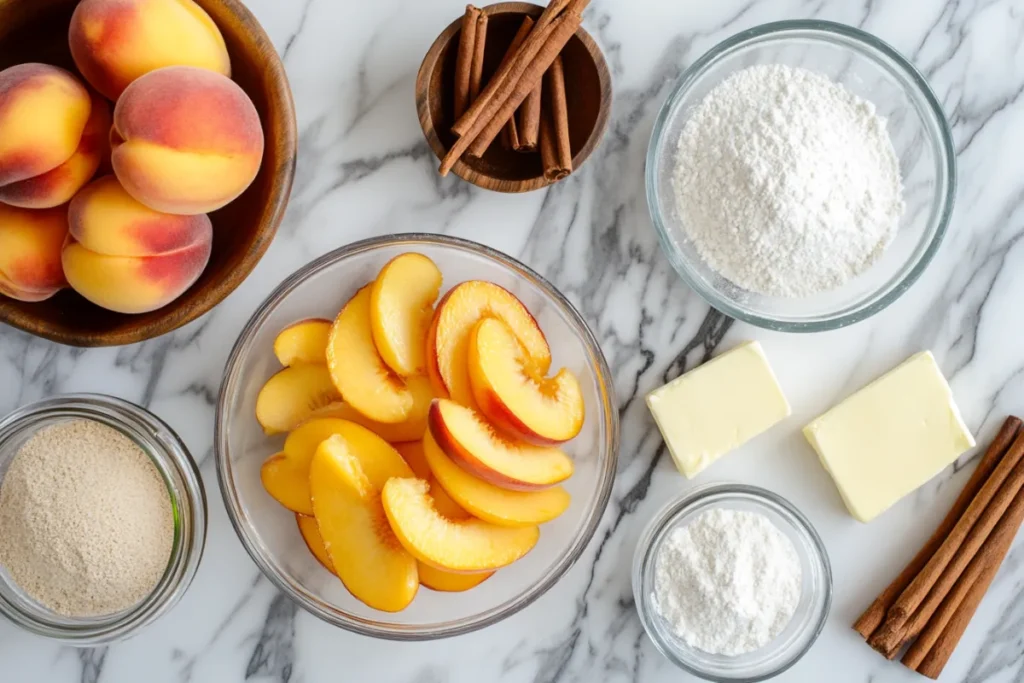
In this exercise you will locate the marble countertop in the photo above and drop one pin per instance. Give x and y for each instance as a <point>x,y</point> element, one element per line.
<point>365,170</point>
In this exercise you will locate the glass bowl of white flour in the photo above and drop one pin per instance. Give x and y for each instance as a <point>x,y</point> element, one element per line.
<point>732,583</point>
<point>801,175</point>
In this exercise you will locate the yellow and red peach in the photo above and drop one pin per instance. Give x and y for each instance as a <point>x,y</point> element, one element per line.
<point>128,258</point>
<point>115,42</point>
<point>30,246</point>
<point>57,186</point>
<point>185,140</point>
<point>43,111</point>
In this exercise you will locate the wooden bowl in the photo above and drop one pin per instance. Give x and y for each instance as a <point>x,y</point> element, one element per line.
<point>588,96</point>
<point>37,31</point>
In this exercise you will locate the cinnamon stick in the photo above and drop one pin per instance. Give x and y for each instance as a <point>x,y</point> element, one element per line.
<point>464,59</point>
<point>529,120</point>
<point>976,577</point>
<point>559,114</point>
<point>873,617</point>
<point>934,582</point>
<point>481,123</point>
<point>553,172</point>
<point>511,133</point>
<point>476,73</point>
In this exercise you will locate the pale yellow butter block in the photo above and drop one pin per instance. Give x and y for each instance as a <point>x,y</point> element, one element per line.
<point>890,437</point>
<point>717,407</point>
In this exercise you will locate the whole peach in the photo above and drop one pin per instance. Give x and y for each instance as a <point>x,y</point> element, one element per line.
<point>59,185</point>
<point>114,42</point>
<point>43,111</point>
<point>30,247</point>
<point>185,140</point>
<point>126,257</point>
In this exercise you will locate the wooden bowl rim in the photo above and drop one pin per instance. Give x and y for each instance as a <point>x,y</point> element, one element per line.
<point>462,169</point>
<point>283,173</point>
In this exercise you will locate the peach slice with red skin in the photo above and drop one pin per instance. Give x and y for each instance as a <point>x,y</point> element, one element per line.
<point>454,318</point>
<point>303,343</point>
<point>364,551</point>
<point>287,483</point>
<point>468,545</point>
<point>402,306</point>
<point>487,501</point>
<point>310,531</point>
<point>541,410</point>
<point>468,439</point>
<point>292,395</point>
<point>360,374</point>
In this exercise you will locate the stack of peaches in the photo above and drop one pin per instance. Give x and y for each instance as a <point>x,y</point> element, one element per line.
<point>423,442</point>
<point>183,140</point>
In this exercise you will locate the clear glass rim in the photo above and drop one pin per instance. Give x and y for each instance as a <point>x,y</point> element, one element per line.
<point>678,507</point>
<point>170,454</point>
<point>401,632</point>
<point>871,46</point>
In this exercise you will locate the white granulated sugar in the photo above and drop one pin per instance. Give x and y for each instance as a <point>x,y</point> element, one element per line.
<point>728,582</point>
<point>786,182</point>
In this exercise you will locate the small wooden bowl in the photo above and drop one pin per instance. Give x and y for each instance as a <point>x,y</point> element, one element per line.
<point>588,96</point>
<point>37,31</point>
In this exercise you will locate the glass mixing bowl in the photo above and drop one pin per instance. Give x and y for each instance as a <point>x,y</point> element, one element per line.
<point>920,134</point>
<point>804,627</point>
<point>268,531</point>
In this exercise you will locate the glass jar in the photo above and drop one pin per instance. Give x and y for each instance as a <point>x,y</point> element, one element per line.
<point>187,497</point>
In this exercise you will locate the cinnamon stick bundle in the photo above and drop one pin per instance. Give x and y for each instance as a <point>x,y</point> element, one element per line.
<point>464,59</point>
<point>931,602</point>
<point>506,91</point>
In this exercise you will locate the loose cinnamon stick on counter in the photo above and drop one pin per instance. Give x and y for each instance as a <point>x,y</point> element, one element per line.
<point>464,59</point>
<point>509,87</point>
<point>559,114</point>
<point>981,571</point>
<point>529,120</point>
<point>972,548</point>
<point>511,132</point>
<point>873,617</point>
<point>918,589</point>
<point>476,73</point>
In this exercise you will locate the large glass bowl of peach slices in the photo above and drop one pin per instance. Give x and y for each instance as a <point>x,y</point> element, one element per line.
<point>416,436</point>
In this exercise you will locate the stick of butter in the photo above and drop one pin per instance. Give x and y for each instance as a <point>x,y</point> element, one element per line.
<point>717,407</point>
<point>890,437</point>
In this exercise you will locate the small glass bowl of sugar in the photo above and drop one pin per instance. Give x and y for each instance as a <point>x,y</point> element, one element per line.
<point>729,519</point>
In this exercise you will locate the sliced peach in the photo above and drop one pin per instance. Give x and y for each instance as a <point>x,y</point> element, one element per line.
<point>469,545</point>
<point>360,374</point>
<point>468,439</point>
<point>402,306</point>
<point>411,429</point>
<point>517,400</point>
<point>363,549</point>
<point>292,395</point>
<point>304,342</point>
<point>450,582</point>
<point>412,453</point>
<point>444,503</point>
<point>380,460</point>
<point>310,531</point>
<point>287,484</point>
<point>487,501</point>
<point>448,337</point>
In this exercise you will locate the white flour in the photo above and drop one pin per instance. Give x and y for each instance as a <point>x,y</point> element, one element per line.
<point>786,182</point>
<point>728,582</point>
